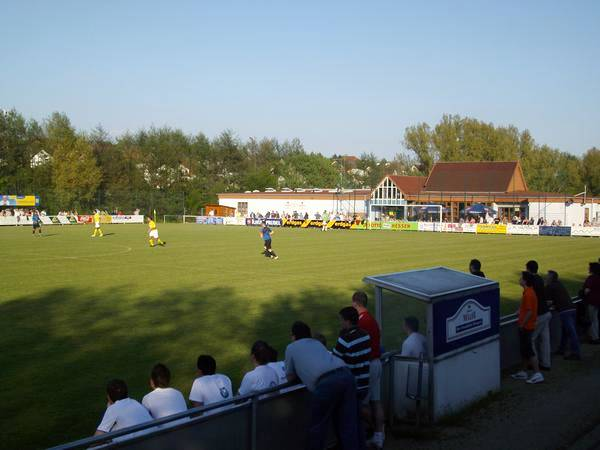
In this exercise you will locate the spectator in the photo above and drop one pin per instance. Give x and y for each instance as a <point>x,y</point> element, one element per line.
<point>354,348</point>
<point>122,411</point>
<point>561,300</point>
<point>591,297</point>
<point>322,339</point>
<point>277,366</point>
<point>163,401</point>
<point>332,386</point>
<point>263,376</point>
<point>415,343</point>
<point>542,327</point>
<point>475,268</point>
<point>210,387</point>
<point>527,320</point>
<point>368,323</point>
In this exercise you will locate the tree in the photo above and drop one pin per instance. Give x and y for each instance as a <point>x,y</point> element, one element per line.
<point>591,170</point>
<point>418,139</point>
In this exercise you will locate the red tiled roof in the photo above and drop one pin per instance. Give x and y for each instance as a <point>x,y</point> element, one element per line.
<point>407,184</point>
<point>487,176</point>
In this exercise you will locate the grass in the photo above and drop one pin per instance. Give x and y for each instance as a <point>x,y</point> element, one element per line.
<point>76,311</point>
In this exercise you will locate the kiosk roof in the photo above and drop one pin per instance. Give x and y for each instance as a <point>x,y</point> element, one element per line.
<point>426,284</point>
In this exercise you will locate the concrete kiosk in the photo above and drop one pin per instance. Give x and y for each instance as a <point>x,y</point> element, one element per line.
<point>463,323</point>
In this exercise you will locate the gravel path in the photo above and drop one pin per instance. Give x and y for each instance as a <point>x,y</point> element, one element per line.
<point>561,413</point>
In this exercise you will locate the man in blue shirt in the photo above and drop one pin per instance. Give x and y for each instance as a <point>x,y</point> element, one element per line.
<point>36,222</point>
<point>265,234</point>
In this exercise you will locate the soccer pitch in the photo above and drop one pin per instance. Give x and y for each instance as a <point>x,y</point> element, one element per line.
<point>76,311</point>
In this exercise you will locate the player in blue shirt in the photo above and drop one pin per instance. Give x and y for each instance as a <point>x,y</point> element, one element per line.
<point>36,222</point>
<point>265,234</point>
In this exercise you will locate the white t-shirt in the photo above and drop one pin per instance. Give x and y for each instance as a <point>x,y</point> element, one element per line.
<point>163,402</point>
<point>209,389</point>
<point>279,367</point>
<point>262,377</point>
<point>122,414</point>
<point>414,345</point>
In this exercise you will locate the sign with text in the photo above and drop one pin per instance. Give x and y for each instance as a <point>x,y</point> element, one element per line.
<point>259,222</point>
<point>491,228</point>
<point>555,231</point>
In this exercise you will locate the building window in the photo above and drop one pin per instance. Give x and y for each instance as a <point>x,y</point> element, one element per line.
<point>242,208</point>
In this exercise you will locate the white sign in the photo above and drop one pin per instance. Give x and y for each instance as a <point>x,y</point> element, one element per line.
<point>585,231</point>
<point>471,318</point>
<point>127,219</point>
<point>522,229</point>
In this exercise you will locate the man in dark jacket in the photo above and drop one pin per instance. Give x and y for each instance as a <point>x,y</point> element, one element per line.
<point>561,300</point>
<point>591,297</point>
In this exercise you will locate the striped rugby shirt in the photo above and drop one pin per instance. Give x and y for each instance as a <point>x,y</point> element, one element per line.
<point>354,348</point>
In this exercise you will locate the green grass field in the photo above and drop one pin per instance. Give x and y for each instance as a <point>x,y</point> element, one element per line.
<point>76,311</point>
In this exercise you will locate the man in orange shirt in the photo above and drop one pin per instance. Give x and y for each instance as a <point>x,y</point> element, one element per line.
<point>527,320</point>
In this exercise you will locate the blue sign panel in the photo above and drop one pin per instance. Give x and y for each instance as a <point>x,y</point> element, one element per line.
<point>462,321</point>
<point>209,220</point>
<point>555,231</point>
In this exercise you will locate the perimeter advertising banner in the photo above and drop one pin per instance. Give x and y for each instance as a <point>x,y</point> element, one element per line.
<point>19,200</point>
<point>522,229</point>
<point>400,226</point>
<point>491,228</point>
<point>258,222</point>
<point>210,220</point>
<point>585,231</point>
<point>555,231</point>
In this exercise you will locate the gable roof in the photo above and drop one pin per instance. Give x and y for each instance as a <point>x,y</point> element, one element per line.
<point>483,176</point>
<point>408,184</point>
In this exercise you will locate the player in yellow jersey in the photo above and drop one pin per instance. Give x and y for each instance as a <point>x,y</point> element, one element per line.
<point>153,233</point>
<point>97,229</point>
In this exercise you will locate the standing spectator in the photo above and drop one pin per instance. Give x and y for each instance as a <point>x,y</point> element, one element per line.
<point>591,297</point>
<point>163,401</point>
<point>415,343</point>
<point>368,323</point>
<point>210,387</point>
<point>122,411</point>
<point>331,384</point>
<point>354,348</point>
<point>527,319</point>
<point>263,376</point>
<point>561,300</point>
<point>542,327</point>
<point>475,268</point>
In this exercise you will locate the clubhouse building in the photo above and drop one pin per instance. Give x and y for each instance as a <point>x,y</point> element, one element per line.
<point>453,186</point>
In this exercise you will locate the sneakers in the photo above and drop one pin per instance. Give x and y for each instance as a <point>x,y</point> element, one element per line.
<point>520,375</point>
<point>535,378</point>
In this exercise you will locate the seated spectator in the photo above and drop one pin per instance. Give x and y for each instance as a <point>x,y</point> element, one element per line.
<point>163,401</point>
<point>277,366</point>
<point>263,376</point>
<point>527,320</point>
<point>122,411</point>
<point>210,387</point>
<point>591,297</point>
<point>415,343</point>
<point>331,384</point>
<point>561,300</point>
<point>475,268</point>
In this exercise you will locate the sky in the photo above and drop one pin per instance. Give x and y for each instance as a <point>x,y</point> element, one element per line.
<point>344,77</point>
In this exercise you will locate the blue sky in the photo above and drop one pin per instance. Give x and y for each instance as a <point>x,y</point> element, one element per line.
<point>344,77</point>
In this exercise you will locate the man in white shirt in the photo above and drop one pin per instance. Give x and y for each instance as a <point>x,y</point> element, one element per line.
<point>163,401</point>
<point>415,344</point>
<point>263,376</point>
<point>210,387</point>
<point>277,366</point>
<point>122,411</point>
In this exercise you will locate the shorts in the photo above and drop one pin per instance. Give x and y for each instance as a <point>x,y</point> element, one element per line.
<point>374,381</point>
<point>36,225</point>
<point>153,234</point>
<point>526,343</point>
<point>97,224</point>
<point>268,244</point>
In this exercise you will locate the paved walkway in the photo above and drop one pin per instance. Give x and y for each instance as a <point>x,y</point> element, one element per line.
<point>561,413</point>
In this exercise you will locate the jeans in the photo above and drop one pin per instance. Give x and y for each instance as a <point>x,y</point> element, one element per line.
<point>569,332</point>
<point>542,331</point>
<point>335,398</point>
<point>593,312</point>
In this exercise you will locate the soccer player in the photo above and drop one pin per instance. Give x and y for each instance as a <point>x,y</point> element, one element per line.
<point>97,229</point>
<point>265,234</point>
<point>153,233</point>
<point>36,222</point>
<point>325,220</point>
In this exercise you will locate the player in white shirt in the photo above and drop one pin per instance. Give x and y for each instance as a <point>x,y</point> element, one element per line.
<point>210,387</point>
<point>122,412</point>
<point>163,401</point>
<point>263,376</point>
<point>415,344</point>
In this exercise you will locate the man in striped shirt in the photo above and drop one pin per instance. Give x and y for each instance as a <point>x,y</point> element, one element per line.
<point>354,348</point>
